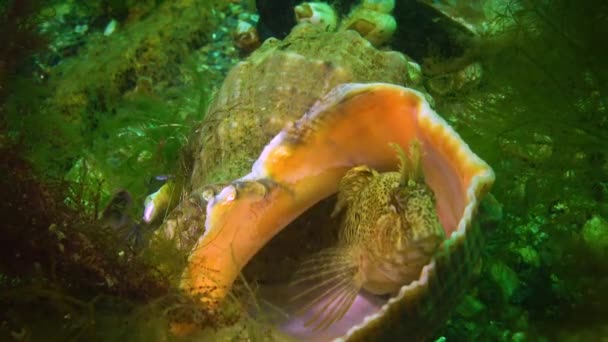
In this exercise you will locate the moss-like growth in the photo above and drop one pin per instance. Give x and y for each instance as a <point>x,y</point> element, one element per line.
<point>21,38</point>
<point>84,278</point>
<point>144,63</point>
<point>60,258</point>
<point>110,118</point>
<point>539,118</point>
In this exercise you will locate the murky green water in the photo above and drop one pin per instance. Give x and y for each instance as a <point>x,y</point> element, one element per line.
<point>103,98</point>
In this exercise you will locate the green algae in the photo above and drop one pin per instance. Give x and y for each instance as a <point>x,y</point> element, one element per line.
<point>144,61</point>
<point>538,117</point>
<point>110,117</point>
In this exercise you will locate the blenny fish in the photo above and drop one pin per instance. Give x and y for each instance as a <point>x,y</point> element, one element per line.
<point>390,231</point>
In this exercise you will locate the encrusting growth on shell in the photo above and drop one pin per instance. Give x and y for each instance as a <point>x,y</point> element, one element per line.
<point>382,6</point>
<point>373,20</point>
<point>317,13</point>
<point>390,231</point>
<point>246,36</point>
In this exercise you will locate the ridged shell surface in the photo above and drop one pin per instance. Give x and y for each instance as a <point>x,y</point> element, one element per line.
<point>277,84</point>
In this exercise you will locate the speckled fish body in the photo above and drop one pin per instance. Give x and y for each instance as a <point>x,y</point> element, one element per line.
<point>389,232</point>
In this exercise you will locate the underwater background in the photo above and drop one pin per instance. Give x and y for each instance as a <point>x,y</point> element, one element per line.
<point>99,98</point>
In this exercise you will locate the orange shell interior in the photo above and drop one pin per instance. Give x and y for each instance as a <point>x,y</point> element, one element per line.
<point>352,126</point>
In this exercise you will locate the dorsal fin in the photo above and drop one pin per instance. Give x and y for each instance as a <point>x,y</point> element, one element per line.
<point>415,171</point>
<point>404,165</point>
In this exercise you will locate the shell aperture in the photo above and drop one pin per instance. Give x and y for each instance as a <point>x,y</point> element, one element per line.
<point>353,125</point>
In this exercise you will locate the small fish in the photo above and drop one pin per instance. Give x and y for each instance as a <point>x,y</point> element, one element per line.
<point>158,204</point>
<point>116,214</point>
<point>390,230</point>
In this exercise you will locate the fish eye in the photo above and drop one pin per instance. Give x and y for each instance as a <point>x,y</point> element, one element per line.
<point>397,199</point>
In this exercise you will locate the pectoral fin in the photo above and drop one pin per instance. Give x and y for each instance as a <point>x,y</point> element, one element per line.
<point>326,285</point>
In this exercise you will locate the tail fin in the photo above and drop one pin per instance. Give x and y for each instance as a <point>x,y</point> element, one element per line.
<point>330,283</point>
